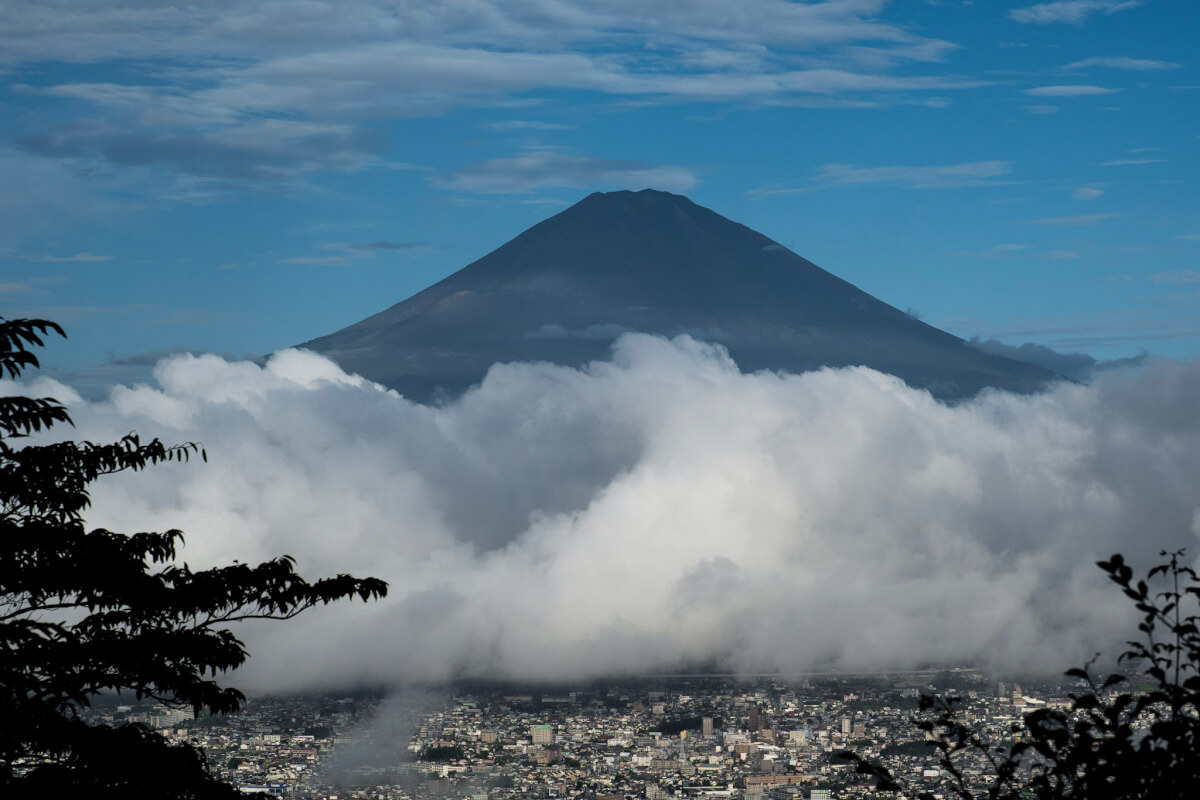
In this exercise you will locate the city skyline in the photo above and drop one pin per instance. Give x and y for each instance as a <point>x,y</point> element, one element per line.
<point>707,411</point>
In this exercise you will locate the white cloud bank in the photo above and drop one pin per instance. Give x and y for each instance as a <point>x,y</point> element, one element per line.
<point>662,510</point>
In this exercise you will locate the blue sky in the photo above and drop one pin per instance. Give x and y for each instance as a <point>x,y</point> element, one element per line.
<point>242,177</point>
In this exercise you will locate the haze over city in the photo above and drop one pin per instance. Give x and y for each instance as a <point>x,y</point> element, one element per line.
<point>189,190</point>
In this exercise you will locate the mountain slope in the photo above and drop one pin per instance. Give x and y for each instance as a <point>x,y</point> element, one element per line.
<point>654,262</point>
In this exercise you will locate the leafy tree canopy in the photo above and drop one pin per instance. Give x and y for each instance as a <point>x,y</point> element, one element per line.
<point>1111,745</point>
<point>443,753</point>
<point>84,612</point>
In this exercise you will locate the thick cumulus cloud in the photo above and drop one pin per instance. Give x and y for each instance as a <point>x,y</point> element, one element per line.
<point>663,511</point>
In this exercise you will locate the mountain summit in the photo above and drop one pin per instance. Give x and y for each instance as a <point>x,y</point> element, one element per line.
<point>654,262</point>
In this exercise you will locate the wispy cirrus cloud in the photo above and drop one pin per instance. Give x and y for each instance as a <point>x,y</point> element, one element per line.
<point>1018,251</point>
<point>352,251</point>
<point>317,260</point>
<point>1071,12</point>
<point>545,169</point>
<point>1087,193</point>
<point>267,96</point>
<point>1123,62</point>
<point>31,285</point>
<point>420,79</point>
<point>1068,91</point>
<point>948,176</point>
<point>993,252</point>
<point>1178,276</point>
<point>1077,220</point>
<point>710,33</point>
<point>512,125</point>
<point>367,53</point>
<point>1132,162</point>
<point>78,257</point>
<point>945,176</point>
<point>268,149</point>
<point>373,247</point>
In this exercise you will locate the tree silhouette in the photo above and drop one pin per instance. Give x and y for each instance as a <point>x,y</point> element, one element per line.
<point>1110,745</point>
<point>84,612</point>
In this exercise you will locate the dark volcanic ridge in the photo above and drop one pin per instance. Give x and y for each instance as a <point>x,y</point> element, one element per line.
<point>657,263</point>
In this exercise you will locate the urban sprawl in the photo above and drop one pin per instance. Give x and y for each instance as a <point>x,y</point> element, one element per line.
<point>687,737</point>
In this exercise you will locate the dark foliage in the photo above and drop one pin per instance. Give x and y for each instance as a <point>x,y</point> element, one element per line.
<point>84,612</point>
<point>673,726</point>
<point>1110,745</point>
<point>907,749</point>
<point>444,753</point>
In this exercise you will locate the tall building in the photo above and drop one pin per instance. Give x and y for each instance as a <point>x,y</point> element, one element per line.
<point>706,726</point>
<point>845,726</point>
<point>541,734</point>
<point>754,721</point>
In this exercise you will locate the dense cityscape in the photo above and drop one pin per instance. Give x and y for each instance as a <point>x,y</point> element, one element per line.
<point>773,739</point>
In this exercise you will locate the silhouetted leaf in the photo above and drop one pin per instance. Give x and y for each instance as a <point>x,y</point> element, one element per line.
<point>141,623</point>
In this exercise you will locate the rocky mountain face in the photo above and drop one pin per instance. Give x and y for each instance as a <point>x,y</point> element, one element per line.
<point>658,263</point>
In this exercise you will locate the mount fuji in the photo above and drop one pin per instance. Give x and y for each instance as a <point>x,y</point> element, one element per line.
<point>653,262</point>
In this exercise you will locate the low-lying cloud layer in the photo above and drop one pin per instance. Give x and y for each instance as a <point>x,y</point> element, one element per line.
<point>662,511</point>
<point>1076,366</point>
